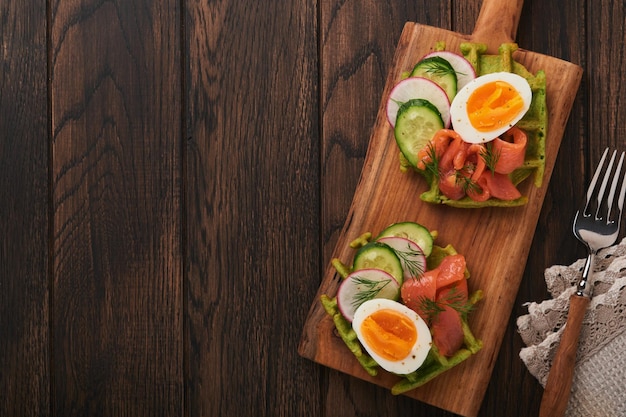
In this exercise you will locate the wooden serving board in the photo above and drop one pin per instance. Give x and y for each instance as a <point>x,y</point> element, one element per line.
<point>495,241</point>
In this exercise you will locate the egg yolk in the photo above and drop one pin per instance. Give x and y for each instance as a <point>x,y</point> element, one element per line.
<point>389,334</point>
<point>493,105</point>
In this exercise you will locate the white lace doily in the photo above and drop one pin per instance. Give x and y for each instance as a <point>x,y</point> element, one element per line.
<point>599,384</point>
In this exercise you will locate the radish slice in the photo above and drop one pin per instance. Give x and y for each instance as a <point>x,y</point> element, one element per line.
<point>464,70</point>
<point>363,285</point>
<point>410,254</point>
<point>418,87</point>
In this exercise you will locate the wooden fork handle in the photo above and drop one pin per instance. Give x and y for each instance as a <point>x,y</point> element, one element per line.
<point>558,386</point>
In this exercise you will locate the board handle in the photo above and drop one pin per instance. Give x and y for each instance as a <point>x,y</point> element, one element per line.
<point>557,391</point>
<point>497,23</point>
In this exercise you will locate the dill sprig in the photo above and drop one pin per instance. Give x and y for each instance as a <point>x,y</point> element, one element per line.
<point>437,68</point>
<point>457,301</point>
<point>464,178</point>
<point>409,258</point>
<point>368,289</point>
<point>454,299</point>
<point>491,157</point>
<point>432,161</point>
<point>431,308</point>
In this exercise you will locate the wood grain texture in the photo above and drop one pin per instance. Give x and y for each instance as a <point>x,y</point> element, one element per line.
<point>358,40</point>
<point>605,107</point>
<point>24,287</point>
<point>557,390</point>
<point>252,204</point>
<point>171,195</point>
<point>116,177</point>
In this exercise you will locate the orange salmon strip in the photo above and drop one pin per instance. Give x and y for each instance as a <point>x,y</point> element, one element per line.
<point>459,158</point>
<point>511,150</point>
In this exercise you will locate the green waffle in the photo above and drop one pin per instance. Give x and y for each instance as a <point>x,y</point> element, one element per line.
<point>534,123</point>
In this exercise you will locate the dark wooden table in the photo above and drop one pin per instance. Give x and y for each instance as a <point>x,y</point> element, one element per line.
<point>174,176</point>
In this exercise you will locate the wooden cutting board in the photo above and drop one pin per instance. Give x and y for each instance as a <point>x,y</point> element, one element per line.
<point>495,241</point>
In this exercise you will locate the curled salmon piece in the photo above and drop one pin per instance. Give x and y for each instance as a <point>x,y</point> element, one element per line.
<point>475,154</point>
<point>455,148</point>
<point>463,169</point>
<point>510,150</point>
<point>439,144</point>
<point>460,157</point>
<point>492,184</point>
<point>450,186</point>
<point>500,186</point>
<point>480,189</point>
<point>463,166</point>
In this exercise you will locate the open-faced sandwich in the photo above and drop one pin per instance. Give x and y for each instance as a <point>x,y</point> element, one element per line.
<point>474,125</point>
<point>403,305</point>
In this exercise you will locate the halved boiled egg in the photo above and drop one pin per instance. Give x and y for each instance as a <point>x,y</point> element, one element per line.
<point>396,337</point>
<point>490,105</point>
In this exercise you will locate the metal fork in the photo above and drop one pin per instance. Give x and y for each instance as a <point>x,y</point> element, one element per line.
<point>596,232</point>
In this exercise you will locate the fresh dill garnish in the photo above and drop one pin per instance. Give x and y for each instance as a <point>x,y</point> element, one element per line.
<point>432,161</point>
<point>464,179</point>
<point>457,301</point>
<point>368,289</point>
<point>454,299</point>
<point>437,68</point>
<point>490,156</point>
<point>408,258</point>
<point>431,308</point>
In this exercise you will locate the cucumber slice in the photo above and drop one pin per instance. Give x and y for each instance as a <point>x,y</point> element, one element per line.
<point>418,87</point>
<point>415,232</point>
<point>440,71</point>
<point>417,122</point>
<point>410,254</point>
<point>363,285</point>
<point>379,256</point>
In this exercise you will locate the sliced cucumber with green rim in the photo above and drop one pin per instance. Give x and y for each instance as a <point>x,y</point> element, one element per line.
<point>440,71</point>
<point>412,231</point>
<point>377,255</point>
<point>417,122</point>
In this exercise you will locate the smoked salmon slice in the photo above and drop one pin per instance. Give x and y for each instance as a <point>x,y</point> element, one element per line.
<point>510,150</point>
<point>479,171</point>
<point>447,331</point>
<point>415,291</point>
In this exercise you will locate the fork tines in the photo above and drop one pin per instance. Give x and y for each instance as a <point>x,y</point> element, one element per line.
<point>607,204</point>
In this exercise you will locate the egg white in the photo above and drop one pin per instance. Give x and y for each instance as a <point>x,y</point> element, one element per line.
<point>458,110</point>
<point>420,348</point>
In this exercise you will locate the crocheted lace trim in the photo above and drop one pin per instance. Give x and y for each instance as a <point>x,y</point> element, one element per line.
<point>600,376</point>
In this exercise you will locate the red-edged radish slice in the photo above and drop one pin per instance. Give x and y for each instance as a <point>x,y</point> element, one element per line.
<point>410,254</point>
<point>363,285</point>
<point>464,70</point>
<point>417,87</point>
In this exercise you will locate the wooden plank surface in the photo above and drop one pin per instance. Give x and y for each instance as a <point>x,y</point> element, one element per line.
<point>216,143</point>
<point>116,111</point>
<point>252,76</point>
<point>24,222</point>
